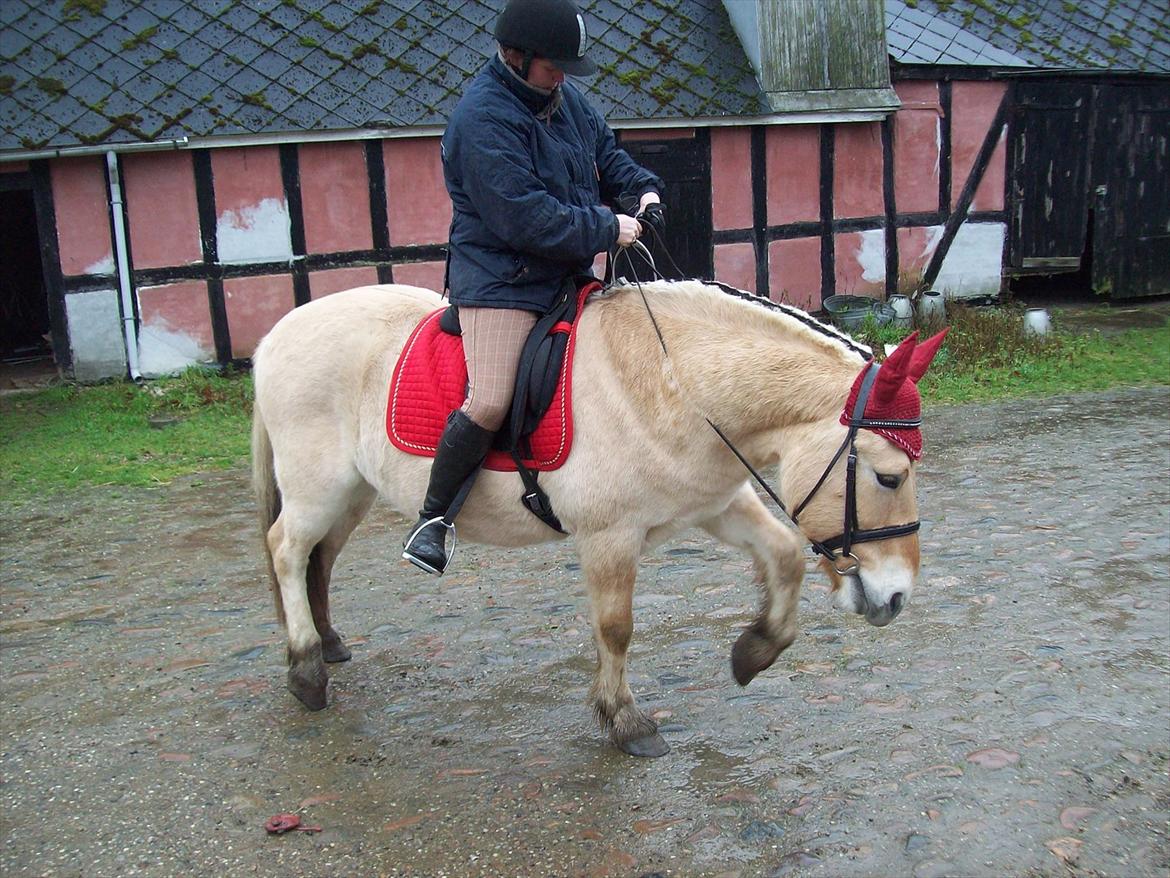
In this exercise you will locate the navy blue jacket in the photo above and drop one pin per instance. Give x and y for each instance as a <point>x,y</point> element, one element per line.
<point>526,192</point>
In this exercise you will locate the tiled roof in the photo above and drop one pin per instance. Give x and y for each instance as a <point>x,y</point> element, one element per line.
<point>108,72</point>
<point>1119,35</point>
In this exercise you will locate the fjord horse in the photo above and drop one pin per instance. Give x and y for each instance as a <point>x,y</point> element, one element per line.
<point>644,466</point>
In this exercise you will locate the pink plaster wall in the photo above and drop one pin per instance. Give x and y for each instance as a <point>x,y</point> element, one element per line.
<point>254,304</point>
<point>245,176</point>
<point>417,205</point>
<point>334,280</point>
<point>915,247</point>
<point>81,202</point>
<point>428,275</point>
<point>916,147</point>
<point>794,272</point>
<point>13,167</point>
<point>735,264</point>
<point>731,178</point>
<point>335,195</point>
<point>163,216</point>
<point>793,160</point>
<point>179,307</point>
<point>973,106</point>
<point>857,170</point>
<point>848,269</point>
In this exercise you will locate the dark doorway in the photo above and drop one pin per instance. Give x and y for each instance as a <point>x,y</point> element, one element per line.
<point>1067,286</point>
<point>1089,193</point>
<point>683,161</point>
<point>24,304</point>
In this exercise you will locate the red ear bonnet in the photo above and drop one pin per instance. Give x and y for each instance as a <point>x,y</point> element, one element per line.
<point>894,396</point>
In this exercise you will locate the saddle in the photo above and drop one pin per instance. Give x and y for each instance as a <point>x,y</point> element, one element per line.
<point>430,380</point>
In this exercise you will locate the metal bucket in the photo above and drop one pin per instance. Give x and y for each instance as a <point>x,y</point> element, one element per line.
<point>849,312</point>
<point>932,309</point>
<point>903,311</point>
<point>1037,322</point>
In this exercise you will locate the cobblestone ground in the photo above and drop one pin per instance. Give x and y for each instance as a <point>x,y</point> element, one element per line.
<point>1015,720</point>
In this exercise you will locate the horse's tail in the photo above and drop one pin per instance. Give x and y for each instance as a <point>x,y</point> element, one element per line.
<point>267,498</point>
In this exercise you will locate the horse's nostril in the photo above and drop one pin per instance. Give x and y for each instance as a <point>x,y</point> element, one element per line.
<point>896,601</point>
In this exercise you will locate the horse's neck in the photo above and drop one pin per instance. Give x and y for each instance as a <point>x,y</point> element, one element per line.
<point>746,369</point>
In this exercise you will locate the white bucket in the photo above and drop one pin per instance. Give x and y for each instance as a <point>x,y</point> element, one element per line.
<point>932,309</point>
<point>903,310</point>
<point>1037,322</point>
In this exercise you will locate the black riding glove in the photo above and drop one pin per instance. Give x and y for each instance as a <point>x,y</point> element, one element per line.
<point>654,218</point>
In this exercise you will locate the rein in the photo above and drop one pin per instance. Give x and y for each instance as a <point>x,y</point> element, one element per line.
<point>846,562</point>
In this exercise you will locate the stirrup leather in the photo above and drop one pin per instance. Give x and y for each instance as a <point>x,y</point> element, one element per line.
<point>419,562</point>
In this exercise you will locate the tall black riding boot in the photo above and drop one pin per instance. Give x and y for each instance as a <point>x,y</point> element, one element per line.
<point>462,448</point>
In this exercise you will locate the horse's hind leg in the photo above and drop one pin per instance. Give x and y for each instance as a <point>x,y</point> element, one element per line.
<point>320,569</point>
<point>776,551</point>
<point>304,522</point>
<point>610,566</point>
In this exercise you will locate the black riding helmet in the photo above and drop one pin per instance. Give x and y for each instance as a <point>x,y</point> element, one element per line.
<point>551,29</point>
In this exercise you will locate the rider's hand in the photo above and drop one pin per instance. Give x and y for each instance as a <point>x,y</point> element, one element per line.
<point>628,230</point>
<point>653,220</point>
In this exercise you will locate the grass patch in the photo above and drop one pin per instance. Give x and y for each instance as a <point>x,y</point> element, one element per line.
<point>70,436</point>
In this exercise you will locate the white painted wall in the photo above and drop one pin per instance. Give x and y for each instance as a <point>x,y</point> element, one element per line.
<point>164,351</point>
<point>105,265</point>
<point>973,264</point>
<point>872,256</point>
<point>257,233</point>
<point>95,337</point>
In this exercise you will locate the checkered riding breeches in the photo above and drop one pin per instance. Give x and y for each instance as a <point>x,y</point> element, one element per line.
<point>493,339</point>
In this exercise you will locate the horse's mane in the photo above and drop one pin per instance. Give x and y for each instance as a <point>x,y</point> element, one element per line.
<point>675,298</point>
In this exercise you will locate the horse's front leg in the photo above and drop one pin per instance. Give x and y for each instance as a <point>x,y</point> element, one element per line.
<point>776,551</point>
<point>610,564</point>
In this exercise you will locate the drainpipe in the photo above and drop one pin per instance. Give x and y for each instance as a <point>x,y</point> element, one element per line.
<point>129,324</point>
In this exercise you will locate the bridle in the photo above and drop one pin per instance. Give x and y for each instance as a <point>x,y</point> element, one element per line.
<point>837,550</point>
<point>846,562</point>
<point>851,532</point>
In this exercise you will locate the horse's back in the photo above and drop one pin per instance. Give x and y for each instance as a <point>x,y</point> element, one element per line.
<point>324,362</point>
<point>340,333</point>
<point>346,317</point>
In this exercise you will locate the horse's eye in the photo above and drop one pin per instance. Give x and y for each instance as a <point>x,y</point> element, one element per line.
<point>888,481</point>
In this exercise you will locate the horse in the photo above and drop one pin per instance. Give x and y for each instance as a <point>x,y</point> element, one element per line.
<point>658,366</point>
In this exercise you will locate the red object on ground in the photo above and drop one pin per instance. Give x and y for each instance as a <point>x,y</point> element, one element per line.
<point>282,823</point>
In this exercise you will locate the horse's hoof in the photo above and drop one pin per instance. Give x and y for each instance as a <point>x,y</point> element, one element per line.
<point>651,746</point>
<point>313,697</point>
<point>333,650</point>
<point>309,682</point>
<point>752,653</point>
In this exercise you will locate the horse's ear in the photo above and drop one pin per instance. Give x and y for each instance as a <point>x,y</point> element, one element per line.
<point>893,373</point>
<point>923,355</point>
<point>904,350</point>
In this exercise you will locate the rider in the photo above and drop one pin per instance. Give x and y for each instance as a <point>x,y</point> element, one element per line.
<point>527,163</point>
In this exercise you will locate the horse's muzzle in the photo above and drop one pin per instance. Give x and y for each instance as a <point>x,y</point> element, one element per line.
<point>878,615</point>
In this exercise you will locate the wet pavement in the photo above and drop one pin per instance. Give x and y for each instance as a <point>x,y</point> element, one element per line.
<point>1015,720</point>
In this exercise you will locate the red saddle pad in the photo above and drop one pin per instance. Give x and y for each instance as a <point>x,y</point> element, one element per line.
<point>430,381</point>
